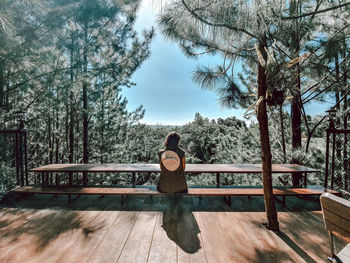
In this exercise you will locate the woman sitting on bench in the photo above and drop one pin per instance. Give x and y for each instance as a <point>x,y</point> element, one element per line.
<point>172,165</point>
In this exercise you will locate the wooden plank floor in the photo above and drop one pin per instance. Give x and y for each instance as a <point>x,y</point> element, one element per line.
<point>45,228</point>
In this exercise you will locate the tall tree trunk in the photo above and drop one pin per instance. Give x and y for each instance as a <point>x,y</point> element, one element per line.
<point>346,164</point>
<point>296,105</point>
<point>282,134</point>
<point>345,150</point>
<point>57,135</point>
<point>2,87</point>
<point>71,107</point>
<point>66,138</point>
<point>6,92</point>
<point>71,129</point>
<point>337,98</point>
<point>57,139</point>
<point>102,128</point>
<point>49,135</point>
<point>337,76</point>
<point>66,119</point>
<point>296,129</point>
<point>85,106</point>
<point>265,144</point>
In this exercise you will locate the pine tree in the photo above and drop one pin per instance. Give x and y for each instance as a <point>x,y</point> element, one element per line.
<point>232,29</point>
<point>271,38</point>
<point>77,51</point>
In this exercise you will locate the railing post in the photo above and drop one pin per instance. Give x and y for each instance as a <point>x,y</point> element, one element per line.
<point>305,179</point>
<point>19,150</point>
<point>85,180</point>
<point>217,180</point>
<point>25,156</point>
<point>133,179</point>
<point>70,178</point>
<point>42,178</point>
<point>21,116</point>
<point>333,160</point>
<point>331,115</point>
<point>17,158</point>
<point>21,164</point>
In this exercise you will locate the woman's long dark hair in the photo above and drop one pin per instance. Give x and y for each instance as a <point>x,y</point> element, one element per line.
<point>172,140</point>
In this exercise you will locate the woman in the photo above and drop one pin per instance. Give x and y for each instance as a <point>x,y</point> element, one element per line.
<point>172,165</point>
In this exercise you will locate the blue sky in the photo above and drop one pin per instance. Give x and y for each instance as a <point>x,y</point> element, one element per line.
<point>164,86</point>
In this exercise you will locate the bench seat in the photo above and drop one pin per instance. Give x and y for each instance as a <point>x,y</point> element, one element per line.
<point>225,192</point>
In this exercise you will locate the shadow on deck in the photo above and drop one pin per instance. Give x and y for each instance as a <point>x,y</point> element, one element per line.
<point>45,228</point>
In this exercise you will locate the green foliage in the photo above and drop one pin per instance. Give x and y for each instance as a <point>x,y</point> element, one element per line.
<point>7,178</point>
<point>227,140</point>
<point>50,50</point>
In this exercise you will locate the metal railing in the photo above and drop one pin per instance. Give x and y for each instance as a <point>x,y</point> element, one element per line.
<point>337,164</point>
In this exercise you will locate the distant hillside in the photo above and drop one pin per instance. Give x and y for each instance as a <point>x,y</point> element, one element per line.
<point>156,126</point>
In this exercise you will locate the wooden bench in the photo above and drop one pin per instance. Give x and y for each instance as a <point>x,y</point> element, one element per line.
<point>227,193</point>
<point>216,169</point>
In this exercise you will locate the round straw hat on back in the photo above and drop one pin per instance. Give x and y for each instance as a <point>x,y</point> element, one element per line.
<point>170,160</point>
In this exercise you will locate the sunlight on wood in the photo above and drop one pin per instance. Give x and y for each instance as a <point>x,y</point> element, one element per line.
<point>160,229</point>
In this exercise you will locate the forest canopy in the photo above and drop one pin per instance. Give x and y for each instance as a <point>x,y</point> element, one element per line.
<point>65,63</point>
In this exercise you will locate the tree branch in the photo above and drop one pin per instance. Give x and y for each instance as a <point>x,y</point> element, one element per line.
<point>216,24</point>
<point>316,12</point>
<point>325,77</point>
<point>341,30</point>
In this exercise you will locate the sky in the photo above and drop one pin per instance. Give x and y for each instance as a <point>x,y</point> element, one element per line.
<point>164,86</point>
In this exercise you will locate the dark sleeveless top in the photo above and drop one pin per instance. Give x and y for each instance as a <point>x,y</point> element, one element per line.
<point>172,181</point>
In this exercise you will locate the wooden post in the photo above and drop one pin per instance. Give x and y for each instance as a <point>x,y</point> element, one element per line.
<point>333,160</point>
<point>85,105</point>
<point>327,161</point>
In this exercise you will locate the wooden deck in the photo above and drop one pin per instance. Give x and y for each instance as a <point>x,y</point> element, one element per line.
<point>94,229</point>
